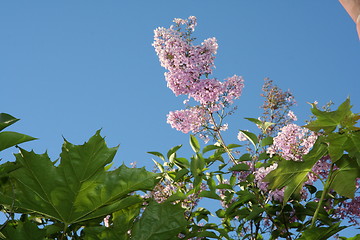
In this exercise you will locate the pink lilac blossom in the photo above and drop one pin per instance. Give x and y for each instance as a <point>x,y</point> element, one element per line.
<point>188,68</point>
<point>292,142</point>
<point>185,62</point>
<point>320,170</point>
<point>188,120</point>
<point>292,116</point>
<point>260,174</point>
<point>233,88</point>
<point>350,210</point>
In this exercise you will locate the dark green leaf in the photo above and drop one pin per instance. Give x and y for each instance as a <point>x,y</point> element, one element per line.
<point>10,139</point>
<point>6,120</point>
<point>160,221</point>
<point>321,233</point>
<point>344,178</point>
<point>239,167</point>
<point>209,194</point>
<point>79,188</point>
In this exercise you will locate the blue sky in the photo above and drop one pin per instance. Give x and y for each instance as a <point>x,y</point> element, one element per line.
<point>69,68</point>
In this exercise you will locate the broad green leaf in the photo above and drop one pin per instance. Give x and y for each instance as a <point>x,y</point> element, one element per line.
<point>344,178</point>
<point>79,188</point>
<point>337,145</point>
<point>321,233</point>
<point>348,142</point>
<point>329,121</point>
<point>6,120</point>
<point>160,221</point>
<point>10,139</point>
<point>251,137</point>
<point>194,143</point>
<point>23,231</point>
<point>292,174</point>
<point>7,168</point>
<point>353,146</point>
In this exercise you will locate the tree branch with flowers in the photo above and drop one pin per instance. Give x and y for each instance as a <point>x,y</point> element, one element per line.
<point>287,182</point>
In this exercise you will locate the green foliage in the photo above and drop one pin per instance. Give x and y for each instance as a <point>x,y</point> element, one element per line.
<point>10,139</point>
<point>342,118</point>
<point>292,174</point>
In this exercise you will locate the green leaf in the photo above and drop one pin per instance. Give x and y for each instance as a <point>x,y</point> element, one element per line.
<point>6,120</point>
<point>23,231</point>
<point>251,137</point>
<point>160,221</point>
<point>262,125</point>
<point>231,146</point>
<point>79,188</point>
<point>182,162</point>
<point>329,121</point>
<point>173,150</point>
<point>293,174</point>
<point>194,143</point>
<point>266,141</point>
<point>10,139</point>
<point>344,178</point>
<point>197,164</point>
<point>210,148</point>
<point>239,167</point>
<point>209,194</point>
<point>321,233</point>
<point>158,155</point>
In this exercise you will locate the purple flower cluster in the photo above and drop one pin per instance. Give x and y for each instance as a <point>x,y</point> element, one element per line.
<point>260,174</point>
<point>350,210</point>
<point>188,68</point>
<point>292,142</point>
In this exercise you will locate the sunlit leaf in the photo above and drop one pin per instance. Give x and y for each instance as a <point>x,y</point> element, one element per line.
<point>293,174</point>
<point>329,121</point>
<point>194,143</point>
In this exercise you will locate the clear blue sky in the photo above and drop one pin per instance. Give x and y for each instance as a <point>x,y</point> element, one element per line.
<point>69,68</point>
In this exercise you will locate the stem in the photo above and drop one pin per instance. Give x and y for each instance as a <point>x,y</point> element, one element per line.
<point>222,142</point>
<point>324,193</point>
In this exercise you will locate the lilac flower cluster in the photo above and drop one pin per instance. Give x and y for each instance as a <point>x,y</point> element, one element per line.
<point>292,142</point>
<point>188,68</point>
<point>350,210</point>
<point>260,174</point>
